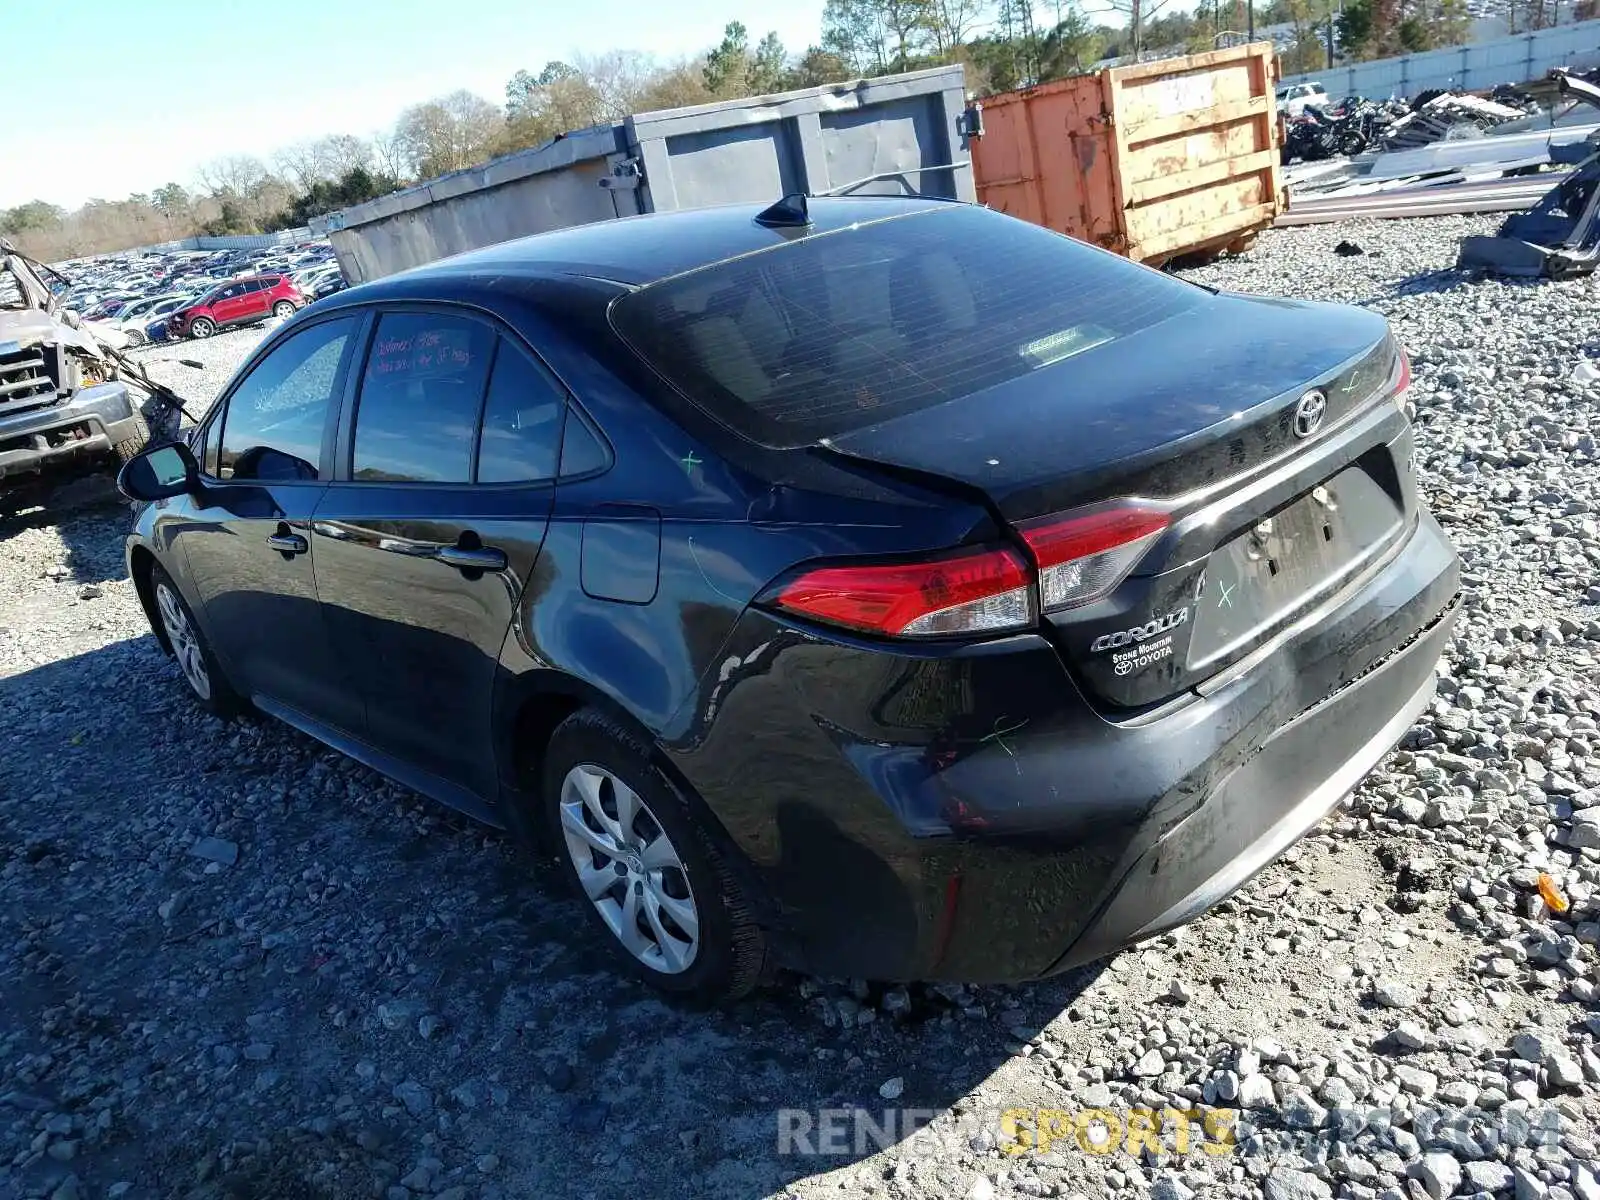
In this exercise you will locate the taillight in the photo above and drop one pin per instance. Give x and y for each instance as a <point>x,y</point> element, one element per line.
<point>1400,381</point>
<point>973,592</point>
<point>1082,558</point>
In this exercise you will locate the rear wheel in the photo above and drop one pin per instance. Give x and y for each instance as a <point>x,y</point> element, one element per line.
<point>283,309</point>
<point>190,650</point>
<point>136,337</point>
<point>202,327</point>
<point>643,867</point>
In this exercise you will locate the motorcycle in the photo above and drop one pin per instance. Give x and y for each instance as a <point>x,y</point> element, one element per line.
<point>1347,129</point>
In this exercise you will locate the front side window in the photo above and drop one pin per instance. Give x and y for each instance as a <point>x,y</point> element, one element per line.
<point>272,430</point>
<point>417,414</point>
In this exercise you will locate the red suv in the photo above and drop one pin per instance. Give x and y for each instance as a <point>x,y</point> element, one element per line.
<point>237,302</point>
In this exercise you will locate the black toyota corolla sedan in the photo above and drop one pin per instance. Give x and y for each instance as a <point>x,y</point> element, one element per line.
<point>885,587</point>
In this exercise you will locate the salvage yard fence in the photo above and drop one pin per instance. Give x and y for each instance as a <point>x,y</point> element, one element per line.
<point>236,241</point>
<point>1517,59</point>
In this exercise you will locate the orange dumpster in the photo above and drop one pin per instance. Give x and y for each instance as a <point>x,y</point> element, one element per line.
<point>1154,160</point>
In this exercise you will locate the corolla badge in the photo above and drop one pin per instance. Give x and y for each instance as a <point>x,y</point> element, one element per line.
<point>1309,412</point>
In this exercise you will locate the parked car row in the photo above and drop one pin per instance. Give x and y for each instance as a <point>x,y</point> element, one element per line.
<point>156,295</point>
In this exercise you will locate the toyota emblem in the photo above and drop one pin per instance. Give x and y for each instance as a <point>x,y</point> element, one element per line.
<point>1309,412</point>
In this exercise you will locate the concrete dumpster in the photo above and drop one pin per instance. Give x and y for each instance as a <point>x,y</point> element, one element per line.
<point>1152,160</point>
<point>900,129</point>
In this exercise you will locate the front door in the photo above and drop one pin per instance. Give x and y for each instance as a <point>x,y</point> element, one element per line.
<point>427,537</point>
<point>246,540</point>
<point>225,309</point>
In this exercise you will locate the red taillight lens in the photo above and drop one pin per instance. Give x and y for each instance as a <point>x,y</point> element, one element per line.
<point>1400,381</point>
<point>979,591</point>
<point>1082,558</point>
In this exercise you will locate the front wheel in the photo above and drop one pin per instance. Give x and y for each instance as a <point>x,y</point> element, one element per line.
<point>202,327</point>
<point>283,309</point>
<point>136,337</point>
<point>641,864</point>
<point>189,648</point>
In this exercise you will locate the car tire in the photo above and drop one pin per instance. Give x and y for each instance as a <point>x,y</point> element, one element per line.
<point>283,309</point>
<point>130,446</point>
<point>202,327</point>
<point>136,337</point>
<point>666,903</point>
<point>196,663</point>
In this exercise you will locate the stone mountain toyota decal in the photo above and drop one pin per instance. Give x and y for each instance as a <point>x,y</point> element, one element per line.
<point>1141,649</point>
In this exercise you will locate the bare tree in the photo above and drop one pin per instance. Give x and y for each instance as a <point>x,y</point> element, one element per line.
<point>617,77</point>
<point>953,21</point>
<point>235,174</point>
<point>389,153</point>
<point>1136,13</point>
<point>303,163</point>
<point>345,152</point>
<point>448,133</point>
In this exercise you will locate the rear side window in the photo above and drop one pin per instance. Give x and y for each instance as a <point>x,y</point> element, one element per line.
<point>521,435</point>
<point>845,329</point>
<point>272,429</point>
<point>417,414</point>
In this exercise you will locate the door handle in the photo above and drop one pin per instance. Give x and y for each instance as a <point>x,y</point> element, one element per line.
<point>463,559</point>
<point>288,543</point>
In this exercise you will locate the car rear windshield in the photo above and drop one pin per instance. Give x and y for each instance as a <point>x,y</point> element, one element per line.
<point>843,330</point>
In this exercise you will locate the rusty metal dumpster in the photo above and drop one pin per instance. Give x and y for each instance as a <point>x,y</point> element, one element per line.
<point>1153,160</point>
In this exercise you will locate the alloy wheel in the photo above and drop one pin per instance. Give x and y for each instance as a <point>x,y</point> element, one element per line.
<point>185,644</point>
<point>200,328</point>
<point>629,869</point>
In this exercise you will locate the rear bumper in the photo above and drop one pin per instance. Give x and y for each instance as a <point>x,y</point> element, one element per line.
<point>92,421</point>
<point>1267,804</point>
<point>968,815</point>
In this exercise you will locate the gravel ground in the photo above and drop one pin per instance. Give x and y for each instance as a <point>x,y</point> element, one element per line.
<point>233,963</point>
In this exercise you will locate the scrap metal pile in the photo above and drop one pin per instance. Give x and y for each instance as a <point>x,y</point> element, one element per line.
<point>1549,161</point>
<point>1448,116</point>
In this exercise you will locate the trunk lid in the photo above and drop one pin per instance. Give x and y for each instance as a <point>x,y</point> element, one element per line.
<point>1204,395</point>
<point>1197,412</point>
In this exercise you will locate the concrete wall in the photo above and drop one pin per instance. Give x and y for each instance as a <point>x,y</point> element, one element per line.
<point>1518,59</point>
<point>750,150</point>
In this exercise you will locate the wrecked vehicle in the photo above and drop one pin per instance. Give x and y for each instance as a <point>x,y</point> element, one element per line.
<point>1559,237</point>
<point>65,398</point>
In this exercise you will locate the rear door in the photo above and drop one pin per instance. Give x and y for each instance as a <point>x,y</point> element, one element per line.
<point>256,302</point>
<point>443,487</point>
<point>267,296</point>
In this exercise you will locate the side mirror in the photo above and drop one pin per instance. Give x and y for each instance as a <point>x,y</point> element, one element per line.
<point>159,473</point>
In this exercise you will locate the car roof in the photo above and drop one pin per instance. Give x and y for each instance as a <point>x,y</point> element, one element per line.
<point>641,250</point>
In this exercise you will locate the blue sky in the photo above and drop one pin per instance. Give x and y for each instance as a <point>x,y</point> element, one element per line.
<point>190,80</point>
